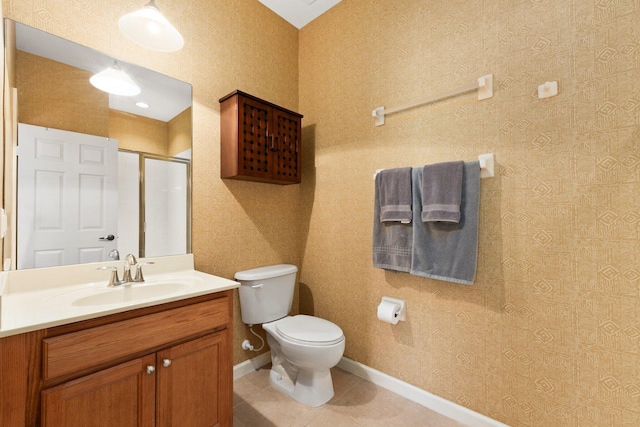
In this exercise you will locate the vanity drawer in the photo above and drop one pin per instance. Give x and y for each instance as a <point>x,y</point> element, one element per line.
<point>78,352</point>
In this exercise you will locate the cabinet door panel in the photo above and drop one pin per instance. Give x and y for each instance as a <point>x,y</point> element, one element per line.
<point>255,139</point>
<point>192,388</point>
<point>259,141</point>
<point>121,396</point>
<point>287,129</point>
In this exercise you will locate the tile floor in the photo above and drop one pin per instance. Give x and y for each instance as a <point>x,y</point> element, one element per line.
<point>357,402</point>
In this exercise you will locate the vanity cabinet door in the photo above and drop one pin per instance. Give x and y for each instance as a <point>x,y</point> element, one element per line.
<point>195,383</point>
<point>123,395</point>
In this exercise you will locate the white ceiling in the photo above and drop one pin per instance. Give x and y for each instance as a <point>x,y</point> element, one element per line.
<point>299,12</point>
<point>166,96</point>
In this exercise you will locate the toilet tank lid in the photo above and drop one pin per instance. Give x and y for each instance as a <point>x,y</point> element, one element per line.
<point>268,272</point>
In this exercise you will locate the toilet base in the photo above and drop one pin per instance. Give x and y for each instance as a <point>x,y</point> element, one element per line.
<point>310,387</point>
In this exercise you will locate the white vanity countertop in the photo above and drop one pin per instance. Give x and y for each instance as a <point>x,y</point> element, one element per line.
<point>46,297</point>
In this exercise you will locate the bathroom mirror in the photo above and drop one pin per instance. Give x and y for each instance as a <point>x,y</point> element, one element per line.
<point>90,176</point>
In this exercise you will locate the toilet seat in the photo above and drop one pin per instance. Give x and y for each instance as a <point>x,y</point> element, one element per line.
<point>309,330</point>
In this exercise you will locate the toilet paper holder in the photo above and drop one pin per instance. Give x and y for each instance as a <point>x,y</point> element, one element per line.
<point>402,312</point>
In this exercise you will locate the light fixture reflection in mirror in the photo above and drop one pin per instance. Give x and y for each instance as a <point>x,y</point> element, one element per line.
<point>115,81</point>
<point>162,130</point>
<point>149,28</point>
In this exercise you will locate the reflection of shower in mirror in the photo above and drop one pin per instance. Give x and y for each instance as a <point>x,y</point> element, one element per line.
<point>162,207</point>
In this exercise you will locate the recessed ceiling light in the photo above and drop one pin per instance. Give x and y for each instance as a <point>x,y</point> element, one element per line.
<point>142,104</point>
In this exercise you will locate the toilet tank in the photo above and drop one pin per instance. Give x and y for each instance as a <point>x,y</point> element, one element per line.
<point>266,293</point>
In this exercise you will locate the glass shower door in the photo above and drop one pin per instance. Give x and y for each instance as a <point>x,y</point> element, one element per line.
<point>167,217</point>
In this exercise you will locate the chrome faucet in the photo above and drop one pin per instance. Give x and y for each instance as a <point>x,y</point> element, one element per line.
<point>129,261</point>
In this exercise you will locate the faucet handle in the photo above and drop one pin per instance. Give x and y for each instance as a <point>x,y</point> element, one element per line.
<point>114,280</point>
<point>139,277</point>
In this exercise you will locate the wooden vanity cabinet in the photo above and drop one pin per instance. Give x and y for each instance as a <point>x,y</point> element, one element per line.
<point>178,386</point>
<point>120,396</point>
<point>185,394</point>
<point>168,365</point>
<point>259,141</point>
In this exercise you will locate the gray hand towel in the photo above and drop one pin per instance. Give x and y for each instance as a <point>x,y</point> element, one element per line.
<point>391,241</point>
<point>394,189</point>
<point>445,250</point>
<point>441,191</point>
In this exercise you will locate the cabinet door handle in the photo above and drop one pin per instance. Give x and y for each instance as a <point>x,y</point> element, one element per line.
<point>166,362</point>
<point>150,369</point>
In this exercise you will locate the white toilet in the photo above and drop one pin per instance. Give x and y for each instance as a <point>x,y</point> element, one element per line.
<point>303,348</point>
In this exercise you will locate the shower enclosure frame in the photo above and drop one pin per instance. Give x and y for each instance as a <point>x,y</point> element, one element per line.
<point>142,237</point>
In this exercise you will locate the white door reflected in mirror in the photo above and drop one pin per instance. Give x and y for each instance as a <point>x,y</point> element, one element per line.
<point>67,197</point>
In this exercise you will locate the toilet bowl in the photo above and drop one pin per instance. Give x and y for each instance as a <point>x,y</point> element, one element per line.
<point>303,348</point>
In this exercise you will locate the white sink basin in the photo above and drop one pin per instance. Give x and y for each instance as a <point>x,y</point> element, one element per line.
<point>39,298</point>
<point>98,294</point>
<point>129,293</point>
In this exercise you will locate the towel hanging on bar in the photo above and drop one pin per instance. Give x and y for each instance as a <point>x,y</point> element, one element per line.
<point>486,162</point>
<point>442,191</point>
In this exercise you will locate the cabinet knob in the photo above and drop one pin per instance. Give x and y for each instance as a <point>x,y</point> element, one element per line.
<point>150,369</point>
<point>166,362</point>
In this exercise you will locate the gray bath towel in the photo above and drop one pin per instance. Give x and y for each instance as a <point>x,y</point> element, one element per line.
<point>444,250</point>
<point>441,191</point>
<point>394,189</point>
<point>391,241</point>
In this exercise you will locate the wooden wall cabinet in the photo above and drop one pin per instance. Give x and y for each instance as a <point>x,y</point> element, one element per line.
<point>259,141</point>
<point>168,365</point>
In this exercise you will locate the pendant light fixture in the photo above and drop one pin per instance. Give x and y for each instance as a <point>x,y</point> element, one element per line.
<point>115,81</point>
<point>149,28</point>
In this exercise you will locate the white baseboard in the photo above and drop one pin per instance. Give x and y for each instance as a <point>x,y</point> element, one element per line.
<point>422,397</point>
<point>248,366</point>
<point>436,403</point>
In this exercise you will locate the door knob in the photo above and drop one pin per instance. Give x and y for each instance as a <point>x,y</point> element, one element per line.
<point>150,369</point>
<point>109,237</point>
<point>166,362</point>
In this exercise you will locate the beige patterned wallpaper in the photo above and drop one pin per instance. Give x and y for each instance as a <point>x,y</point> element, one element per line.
<point>52,94</point>
<point>139,133</point>
<point>549,334</point>
<point>179,129</point>
<point>229,45</point>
